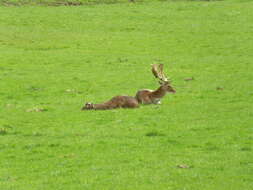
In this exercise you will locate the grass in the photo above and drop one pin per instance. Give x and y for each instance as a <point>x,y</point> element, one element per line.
<point>54,59</point>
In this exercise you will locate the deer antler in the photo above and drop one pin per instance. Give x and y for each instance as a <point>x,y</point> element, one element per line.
<point>157,70</point>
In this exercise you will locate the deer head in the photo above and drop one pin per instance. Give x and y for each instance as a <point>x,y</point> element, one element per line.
<point>157,70</point>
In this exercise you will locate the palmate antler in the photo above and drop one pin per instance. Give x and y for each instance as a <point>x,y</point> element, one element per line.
<point>157,70</point>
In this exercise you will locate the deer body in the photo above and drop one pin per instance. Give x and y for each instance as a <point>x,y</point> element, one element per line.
<point>147,96</point>
<point>115,102</point>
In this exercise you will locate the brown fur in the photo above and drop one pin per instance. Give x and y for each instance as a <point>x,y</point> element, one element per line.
<point>115,102</point>
<point>147,96</point>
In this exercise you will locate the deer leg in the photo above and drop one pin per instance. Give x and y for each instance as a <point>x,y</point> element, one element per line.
<point>156,101</point>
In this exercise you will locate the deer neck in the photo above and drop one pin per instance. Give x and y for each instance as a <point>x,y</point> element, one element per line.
<point>159,93</point>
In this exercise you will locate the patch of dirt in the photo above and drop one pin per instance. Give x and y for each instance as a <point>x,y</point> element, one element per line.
<point>62,3</point>
<point>54,3</point>
<point>59,2</point>
<point>189,79</point>
<point>36,110</point>
<point>219,88</point>
<point>184,166</point>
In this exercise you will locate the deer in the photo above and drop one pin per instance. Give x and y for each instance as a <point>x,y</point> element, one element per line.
<point>147,96</point>
<point>115,102</point>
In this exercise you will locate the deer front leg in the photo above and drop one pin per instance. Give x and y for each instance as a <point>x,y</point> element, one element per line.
<point>157,101</point>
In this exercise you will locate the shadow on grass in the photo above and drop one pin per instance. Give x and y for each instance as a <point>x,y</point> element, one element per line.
<point>154,134</point>
<point>3,131</point>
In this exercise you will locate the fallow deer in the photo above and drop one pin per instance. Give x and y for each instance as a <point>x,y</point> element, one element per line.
<point>147,96</point>
<point>115,102</point>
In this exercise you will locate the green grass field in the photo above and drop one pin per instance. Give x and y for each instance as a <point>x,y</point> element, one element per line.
<point>54,59</point>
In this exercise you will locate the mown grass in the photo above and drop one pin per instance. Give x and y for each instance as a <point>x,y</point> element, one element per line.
<point>54,59</point>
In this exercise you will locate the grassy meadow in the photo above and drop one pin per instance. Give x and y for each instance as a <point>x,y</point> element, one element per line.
<point>53,59</point>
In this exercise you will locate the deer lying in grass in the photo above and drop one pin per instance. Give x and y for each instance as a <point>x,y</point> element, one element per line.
<point>147,96</point>
<point>115,102</point>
